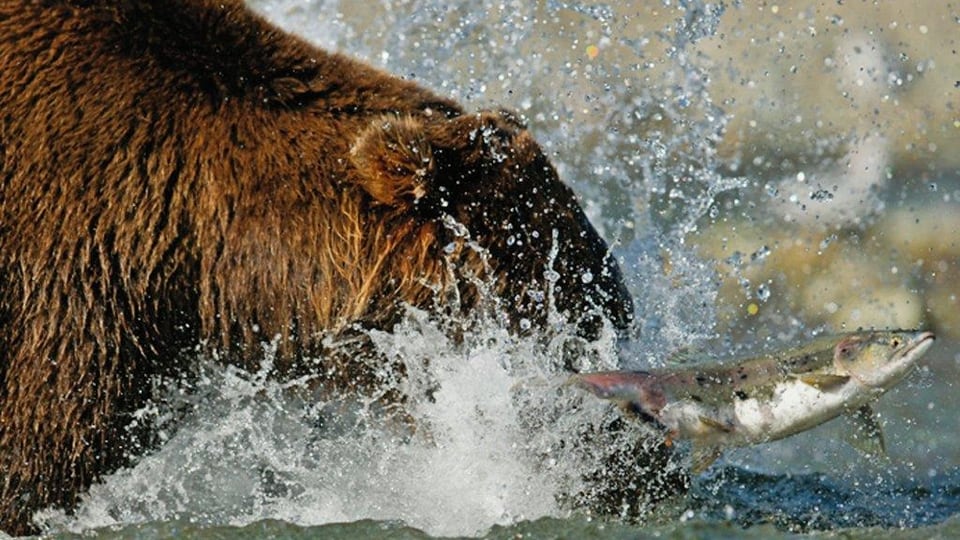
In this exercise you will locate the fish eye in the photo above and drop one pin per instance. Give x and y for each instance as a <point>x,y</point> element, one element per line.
<point>895,342</point>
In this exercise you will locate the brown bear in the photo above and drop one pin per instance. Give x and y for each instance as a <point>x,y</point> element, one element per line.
<point>181,177</point>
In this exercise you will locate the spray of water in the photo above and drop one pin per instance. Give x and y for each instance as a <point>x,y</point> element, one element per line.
<point>492,445</point>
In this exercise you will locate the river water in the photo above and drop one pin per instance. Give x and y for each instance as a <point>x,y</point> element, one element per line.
<point>628,102</point>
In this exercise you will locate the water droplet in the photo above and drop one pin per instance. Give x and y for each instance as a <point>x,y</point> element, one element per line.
<point>586,277</point>
<point>821,195</point>
<point>551,275</point>
<point>760,254</point>
<point>763,293</point>
<point>827,241</point>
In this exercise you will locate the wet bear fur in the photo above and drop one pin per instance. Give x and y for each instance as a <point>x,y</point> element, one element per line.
<point>181,178</point>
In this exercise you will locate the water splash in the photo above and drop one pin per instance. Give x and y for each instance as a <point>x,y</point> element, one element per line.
<point>254,448</point>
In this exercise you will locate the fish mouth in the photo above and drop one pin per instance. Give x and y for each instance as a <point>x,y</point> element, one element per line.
<point>920,344</point>
<point>903,360</point>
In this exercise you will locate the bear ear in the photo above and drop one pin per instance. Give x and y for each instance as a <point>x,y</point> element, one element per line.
<point>486,138</point>
<point>394,161</point>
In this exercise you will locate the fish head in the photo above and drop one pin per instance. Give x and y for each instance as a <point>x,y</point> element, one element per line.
<point>638,392</point>
<point>880,359</point>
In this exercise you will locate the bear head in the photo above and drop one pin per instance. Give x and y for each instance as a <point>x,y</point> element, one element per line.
<point>488,181</point>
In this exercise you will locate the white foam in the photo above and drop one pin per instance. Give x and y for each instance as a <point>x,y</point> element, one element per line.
<point>251,451</point>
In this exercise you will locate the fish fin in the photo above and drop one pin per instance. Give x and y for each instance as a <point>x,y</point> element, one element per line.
<point>630,409</point>
<point>713,423</point>
<point>612,385</point>
<point>823,381</point>
<point>867,436</point>
<point>702,457</point>
<point>685,356</point>
<point>668,439</point>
